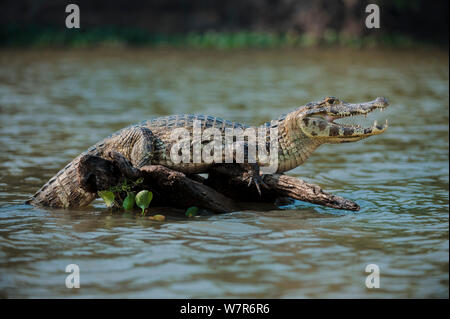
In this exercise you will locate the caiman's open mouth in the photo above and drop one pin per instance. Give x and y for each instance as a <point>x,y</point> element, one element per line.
<point>319,120</point>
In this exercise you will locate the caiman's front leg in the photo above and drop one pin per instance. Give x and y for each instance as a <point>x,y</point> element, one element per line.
<point>250,172</point>
<point>245,166</point>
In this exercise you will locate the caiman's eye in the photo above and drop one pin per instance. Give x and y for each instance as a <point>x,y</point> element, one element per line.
<point>331,100</point>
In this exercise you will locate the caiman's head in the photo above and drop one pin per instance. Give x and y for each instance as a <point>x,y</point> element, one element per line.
<point>316,120</point>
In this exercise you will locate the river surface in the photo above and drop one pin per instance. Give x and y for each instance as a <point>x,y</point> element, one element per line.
<point>55,104</point>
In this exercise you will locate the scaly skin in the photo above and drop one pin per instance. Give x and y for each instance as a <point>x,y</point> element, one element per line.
<point>300,133</point>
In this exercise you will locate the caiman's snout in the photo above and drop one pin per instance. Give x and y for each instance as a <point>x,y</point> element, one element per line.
<point>381,102</point>
<point>362,108</point>
<point>318,120</point>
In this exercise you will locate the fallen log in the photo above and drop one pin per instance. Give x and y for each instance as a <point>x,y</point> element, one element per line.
<point>169,187</point>
<point>278,186</point>
<point>219,192</point>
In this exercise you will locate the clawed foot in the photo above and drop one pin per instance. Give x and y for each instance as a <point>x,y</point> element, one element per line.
<point>253,176</point>
<point>249,172</point>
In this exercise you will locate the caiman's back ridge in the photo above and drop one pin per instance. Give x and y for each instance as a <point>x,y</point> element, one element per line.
<point>300,132</point>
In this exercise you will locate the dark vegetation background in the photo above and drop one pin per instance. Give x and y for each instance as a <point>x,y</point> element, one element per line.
<point>223,23</point>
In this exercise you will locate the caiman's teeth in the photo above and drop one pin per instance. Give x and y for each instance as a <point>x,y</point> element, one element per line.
<point>375,123</point>
<point>381,110</point>
<point>386,124</point>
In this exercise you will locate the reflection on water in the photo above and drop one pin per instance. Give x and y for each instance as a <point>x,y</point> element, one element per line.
<point>54,104</point>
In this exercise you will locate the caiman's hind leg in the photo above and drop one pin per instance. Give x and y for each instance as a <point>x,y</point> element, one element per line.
<point>130,150</point>
<point>143,148</point>
<point>136,144</point>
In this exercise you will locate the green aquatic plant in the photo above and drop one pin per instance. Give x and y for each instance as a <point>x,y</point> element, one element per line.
<point>191,211</point>
<point>143,199</point>
<point>129,201</point>
<point>108,197</point>
<point>113,196</point>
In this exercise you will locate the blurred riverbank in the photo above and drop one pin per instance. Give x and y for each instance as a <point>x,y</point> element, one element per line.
<point>44,37</point>
<point>225,24</point>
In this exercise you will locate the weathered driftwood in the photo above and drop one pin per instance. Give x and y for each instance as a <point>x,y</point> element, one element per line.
<point>278,186</point>
<point>220,192</point>
<point>170,188</point>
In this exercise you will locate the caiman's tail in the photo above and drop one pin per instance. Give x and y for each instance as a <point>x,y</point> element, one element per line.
<point>63,190</point>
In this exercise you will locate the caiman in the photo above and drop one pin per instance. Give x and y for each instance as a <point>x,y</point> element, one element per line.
<point>300,132</point>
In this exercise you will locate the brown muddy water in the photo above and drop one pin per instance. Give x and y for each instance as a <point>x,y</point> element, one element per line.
<point>55,104</point>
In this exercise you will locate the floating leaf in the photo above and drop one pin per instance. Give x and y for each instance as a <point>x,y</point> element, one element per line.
<point>108,197</point>
<point>128,202</point>
<point>159,218</point>
<point>191,211</point>
<point>143,199</point>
